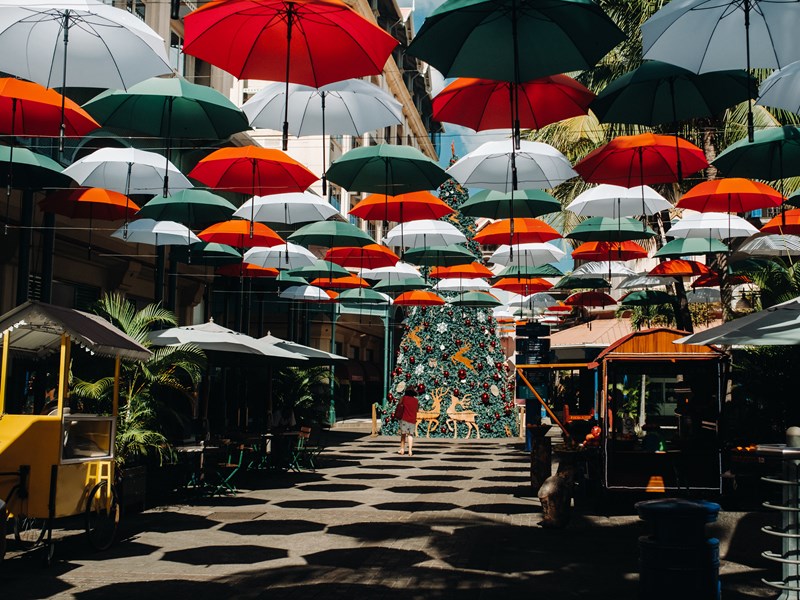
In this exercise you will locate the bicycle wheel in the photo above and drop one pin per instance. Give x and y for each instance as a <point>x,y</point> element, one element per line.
<point>28,531</point>
<point>102,516</point>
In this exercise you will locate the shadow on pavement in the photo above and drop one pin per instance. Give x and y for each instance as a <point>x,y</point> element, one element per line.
<point>225,555</point>
<point>272,527</point>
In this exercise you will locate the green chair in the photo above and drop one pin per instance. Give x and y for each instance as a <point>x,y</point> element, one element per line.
<point>302,454</point>
<point>227,471</point>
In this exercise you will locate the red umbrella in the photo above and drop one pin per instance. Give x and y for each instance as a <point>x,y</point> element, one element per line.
<point>524,231</point>
<point>371,256</point>
<point>419,298</point>
<point>788,222</point>
<point>733,195</point>
<point>558,308</point>
<point>311,42</point>
<point>486,104</point>
<point>521,285</point>
<point>679,268</point>
<point>592,298</point>
<point>340,283</point>
<point>609,251</point>
<point>401,208</point>
<point>712,280</point>
<point>89,203</point>
<point>241,234</point>
<point>30,110</point>
<point>644,159</point>
<point>246,270</point>
<point>471,271</point>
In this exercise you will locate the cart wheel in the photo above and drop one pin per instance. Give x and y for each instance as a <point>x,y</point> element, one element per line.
<point>102,516</point>
<point>28,531</point>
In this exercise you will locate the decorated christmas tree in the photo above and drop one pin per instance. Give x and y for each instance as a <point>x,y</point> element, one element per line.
<point>453,357</point>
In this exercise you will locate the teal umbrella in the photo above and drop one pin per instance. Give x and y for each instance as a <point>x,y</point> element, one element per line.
<point>773,154</point>
<point>794,199</point>
<point>439,256</point>
<point>285,280</point>
<point>362,296</point>
<point>206,253</point>
<point>30,169</point>
<point>476,299</point>
<point>406,284</point>
<point>646,298</point>
<point>581,283</point>
<point>690,247</point>
<point>494,204</point>
<point>524,271</point>
<point>608,229</point>
<point>330,234</point>
<point>321,268</point>
<point>193,207</point>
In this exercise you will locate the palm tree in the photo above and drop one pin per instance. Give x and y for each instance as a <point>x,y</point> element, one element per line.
<point>294,389</point>
<point>776,281</point>
<point>170,369</point>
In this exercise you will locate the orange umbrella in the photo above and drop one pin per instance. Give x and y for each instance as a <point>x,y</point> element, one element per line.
<point>520,285</point>
<point>340,283</point>
<point>788,222</point>
<point>332,294</point>
<point>241,234</point>
<point>559,308</point>
<point>473,270</point>
<point>401,208</point>
<point>592,298</point>
<point>609,251</point>
<point>419,298</point>
<point>712,280</point>
<point>89,203</point>
<point>246,270</point>
<point>733,195</point>
<point>252,170</point>
<point>516,231</point>
<point>679,268</point>
<point>371,256</point>
<point>31,110</point>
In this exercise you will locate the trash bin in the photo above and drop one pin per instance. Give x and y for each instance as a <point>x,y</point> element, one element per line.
<point>678,560</point>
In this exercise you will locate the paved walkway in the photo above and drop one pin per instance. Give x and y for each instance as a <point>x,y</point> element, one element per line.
<point>453,521</point>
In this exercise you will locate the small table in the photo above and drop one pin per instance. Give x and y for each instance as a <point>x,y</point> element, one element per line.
<point>195,454</point>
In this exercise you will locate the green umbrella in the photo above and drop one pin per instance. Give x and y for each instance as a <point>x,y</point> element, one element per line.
<point>581,283</point>
<point>773,154</point>
<point>30,169</point>
<point>794,199</point>
<point>321,268</point>
<point>690,247</point>
<point>386,169</point>
<point>330,234</point>
<point>192,207</point>
<point>361,296</point>
<point>608,229</point>
<point>500,205</point>
<point>476,299</point>
<point>285,280</point>
<point>406,284</point>
<point>526,271</point>
<point>656,93</point>
<point>439,256</point>
<point>206,253</point>
<point>646,298</point>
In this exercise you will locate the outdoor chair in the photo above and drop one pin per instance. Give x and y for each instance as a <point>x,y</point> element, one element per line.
<point>302,453</point>
<point>226,471</point>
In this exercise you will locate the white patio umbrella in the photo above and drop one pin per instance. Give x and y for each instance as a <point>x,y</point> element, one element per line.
<point>462,285</point>
<point>305,293</point>
<point>314,355</point>
<point>156,233</point>
<point>603,268</point>
<point>498,166</point>
<point>533,254</point>
<point>282,256</point>
<point>782,89</point>
<point>771,244</point>
<point>616,201</point>
<point>293,207</point>
<point>715,225</point>
<point>399,271</point>
<point>644,281</point>
<point>425,232</point>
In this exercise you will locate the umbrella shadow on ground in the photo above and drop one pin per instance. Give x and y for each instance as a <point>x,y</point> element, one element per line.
<point>225,555</point>
<point>165,521</point>
<point>333,487</point>
<point>506,490</point>
<point>318,504</point>
<point>447,468</point>
<point>358,558</point>
<point>365,476</point>
<point>272,527</point>
<point>379,532</point>
<point>415,506</point>
<point>422,489</point>
<point>507,478</point>
<point>438,477</point>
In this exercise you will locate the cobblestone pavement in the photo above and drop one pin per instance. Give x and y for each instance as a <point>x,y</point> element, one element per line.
<point>453,521</point>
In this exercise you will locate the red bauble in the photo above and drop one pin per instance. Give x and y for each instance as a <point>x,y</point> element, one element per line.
<point>444,356</point>
<point>457,342</point>
<point>462,374</point>
<point>485,399</point>
<point>498,365</point>
<point>479,366</point>
<point>435,382</point>
<point>449,313</point>
<point>496,416</point>
<point>412,360</point>
<point>493,343</point>
<point>482,330</point>
<point>399,370</point>
<point>482,345</point>
<point>456,393</point>
<point>425,324</point>
<point>443,429</point>
<point>408,376</point>
<point>472,385</point>
<point>390,396</point>
<point>446,373</point>
<point>496,376</point>
<point>467,322</point>
<point>420,388</point>
<point>405,348</point>
<point>486,385</point>
<point>423,309</point>
<point>428,349</point>
<point>487,427</point>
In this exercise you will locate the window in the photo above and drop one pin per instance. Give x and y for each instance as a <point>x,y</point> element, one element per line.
<point>339,348</point>
<point>136,7</point>
<point>355,352</point>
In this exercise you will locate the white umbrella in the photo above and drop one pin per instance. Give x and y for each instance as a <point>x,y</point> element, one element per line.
<point>313,354</point>
<point>616,201</point>
<point>601,268</point>
<point>156,233</point>
<point>462,285</point>
<point>425,232</point>
<point>782,89</point>
<point>399,271</point>
<point>532,254</point>
<point>537,302</point>
<point>497,166</point>
<point>305,293</point>
<point>771,244</point>
<point>292,207</point>
<point>704,295</point>
<point>715,225</point>
<point>644,281</point>
<point>282,256</point>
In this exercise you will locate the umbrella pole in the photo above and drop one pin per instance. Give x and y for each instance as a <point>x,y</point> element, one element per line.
<point>324,161</point>
<point>127,199</point>
<point>62,128</point>
<point>289,23</point>
<point>169,145</point>
<point>10,166</point>
<point>675,122</point>
<point>641,185</point>
<point>515,91</point>
<point>514,183</point>
<point>253,200</point>
<point>750,125</point>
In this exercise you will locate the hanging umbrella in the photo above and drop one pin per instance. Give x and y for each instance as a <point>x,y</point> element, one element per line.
<point>402,208</point>
<point>771,244</point>
<point>291,207</point>
<point>704,295</point>
<point>788,222</point>
<point>419,298</point>
<point>781,88</point>
<point>281,256</point>
<point>425,232</point>
<point>348,282</point>
<point>733,195</point>
<point>78,43</point>
<point>773,154</point>
<point>606,229</point>
<point>400,270</point>
<point>461,285</point>
<point>711,225</point>
<point>498,166</point>
<point>516,231</point>
<point>240,234</point>
<point>28,109</point>
<point>332,42</point>
<point>540,271</point>
<point>371,256</point>
<point>606,250</point>
<point>330,234</point>
<point>471,270</point>
<point>284,280</point>
<point>690,247</point>
<point>591,270</point>
<point>590,299</point>
<point>246,270</point>
<point>646,298</point>
<point>518,285</point>
<point>156,233</point>
<point>305,293</point>
<point>679,268</point>
<point>501,205</point>
<point>445,256</point>
<point>578,283</point>
<point>528,254</point>
<point>616,201</point>
<point>476,299</point>
<point>193,207</point>
<point>320,268</point>
<point>644,281</point>
<point>404,284</point>
<point>363,296</point>
<point>794,199</point>
<point>206,253</point>
<point>712,280</point>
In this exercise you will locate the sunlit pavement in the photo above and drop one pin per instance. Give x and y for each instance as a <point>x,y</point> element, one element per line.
<point>456,520</point>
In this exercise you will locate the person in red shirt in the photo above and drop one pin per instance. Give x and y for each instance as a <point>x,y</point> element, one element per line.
<point>406,412</point>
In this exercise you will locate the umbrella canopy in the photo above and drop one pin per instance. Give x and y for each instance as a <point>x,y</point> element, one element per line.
<point>320,268</point>
<point>794,199</point>
<point>290,208</point>
<point>476,299</point>
<point>363,296</point>
<point>471,270</point>
<point>516,231</point>
<point>616,201</point>
<point>246,270</point>
<point>402,208</point>
<point>386,169</point>
<point>775,326</point>
<point>773,154</point>
<point>284,280</point>
<point>690,247</point>
<point>529,254</point>
<point>29,109</point>
<point>646,298</point>
<point>679,268</point>
<point>643,159</point>
<point>711,225</point>
<point>371,256</point>
<point>591,270</point>
<point>305,293</point>
<point>281,256</point>
<point>581,283</point>
<point>519,285</point>
<point>313,355</point>
<point>425,232</point>
<point>606,229</point>
<point>156,233</point>
<point>788,222</point>
<point>657,92</point>
<point>644,281</point>
<point>444,256</point>
<point>502,205</point>
<point>771,244</point>
<point>712,280</point>
<point>609,250</point>
<point>347,282</point>
<point>192,207</point>
<point>404,284</point>
<point>30,169</point>
<point>330,234</point>
<point>240,234</point>
<point>523,271</point>
<point>704,295</point>
<point>536,302</point>
<point>419,298</point>
<point>400,270</point>
<point>89,203</point>
<point>733,195</point>
<point>781,88</point>
<point>590,299</point>
<point>206,253</point>
<point>499,166</point>
<point>461,285</point>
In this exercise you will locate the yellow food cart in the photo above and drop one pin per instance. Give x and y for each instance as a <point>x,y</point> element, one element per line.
<point>61,463</point>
